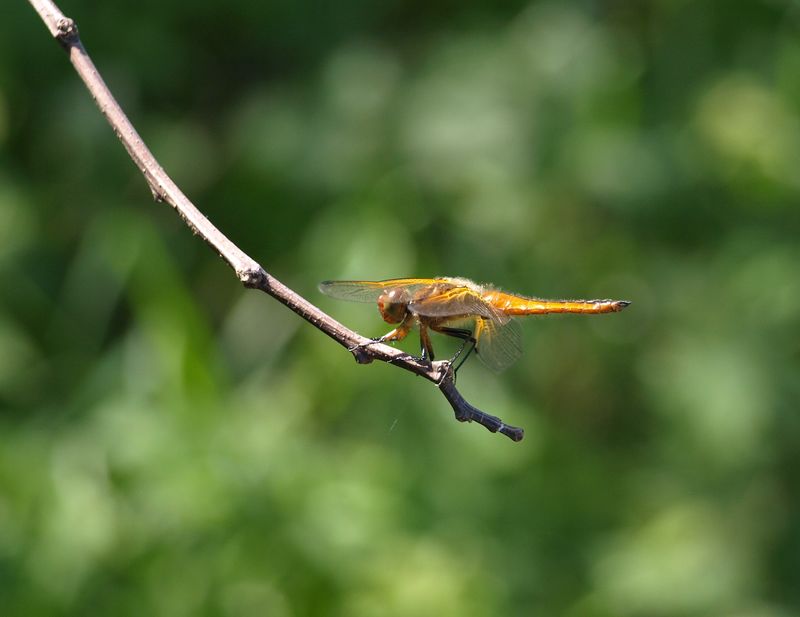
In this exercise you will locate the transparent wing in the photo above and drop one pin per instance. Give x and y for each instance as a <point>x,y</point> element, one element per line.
<point>454,301</point>
<point>368,291</point>
<point>498,345</point>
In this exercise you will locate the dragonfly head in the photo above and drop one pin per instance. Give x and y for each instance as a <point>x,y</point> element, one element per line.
<point>393,305</point>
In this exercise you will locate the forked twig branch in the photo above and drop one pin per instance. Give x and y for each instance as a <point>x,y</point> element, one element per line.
<point>249,272</point>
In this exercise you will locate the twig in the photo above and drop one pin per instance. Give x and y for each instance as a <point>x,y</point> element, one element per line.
<point>249,272</point>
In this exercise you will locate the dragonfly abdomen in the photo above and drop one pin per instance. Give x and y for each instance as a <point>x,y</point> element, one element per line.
<point>517,305</point>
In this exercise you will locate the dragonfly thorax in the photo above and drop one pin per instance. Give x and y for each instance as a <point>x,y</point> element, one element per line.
<point>393,305</point>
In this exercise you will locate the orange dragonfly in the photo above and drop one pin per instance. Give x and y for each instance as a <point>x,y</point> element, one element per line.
<point>477,314</point>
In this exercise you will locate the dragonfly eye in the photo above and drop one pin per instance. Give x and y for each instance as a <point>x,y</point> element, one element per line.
<point>393,305</point>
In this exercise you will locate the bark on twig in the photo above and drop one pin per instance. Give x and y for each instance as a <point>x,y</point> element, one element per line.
<point>249,272</point>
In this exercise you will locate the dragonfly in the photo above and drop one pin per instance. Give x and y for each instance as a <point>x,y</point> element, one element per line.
<point>482,316</point>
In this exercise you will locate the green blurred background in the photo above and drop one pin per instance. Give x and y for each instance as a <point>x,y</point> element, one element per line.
<point>171,444</point>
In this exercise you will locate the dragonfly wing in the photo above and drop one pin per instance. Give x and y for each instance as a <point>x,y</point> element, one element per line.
<point>454,301</point>
<point>498,345</point>
<point>368,291</point>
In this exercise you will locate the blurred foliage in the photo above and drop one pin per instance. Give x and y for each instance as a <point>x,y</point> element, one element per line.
<point>171,444</point>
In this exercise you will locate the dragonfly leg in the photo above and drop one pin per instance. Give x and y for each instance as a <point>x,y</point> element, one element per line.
<point>425,344</point>
<point>398,334</point>
<point>466,337</point>
<point>471,342</point>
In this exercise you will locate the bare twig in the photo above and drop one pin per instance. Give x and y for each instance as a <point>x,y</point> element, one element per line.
<point>249,272</point>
